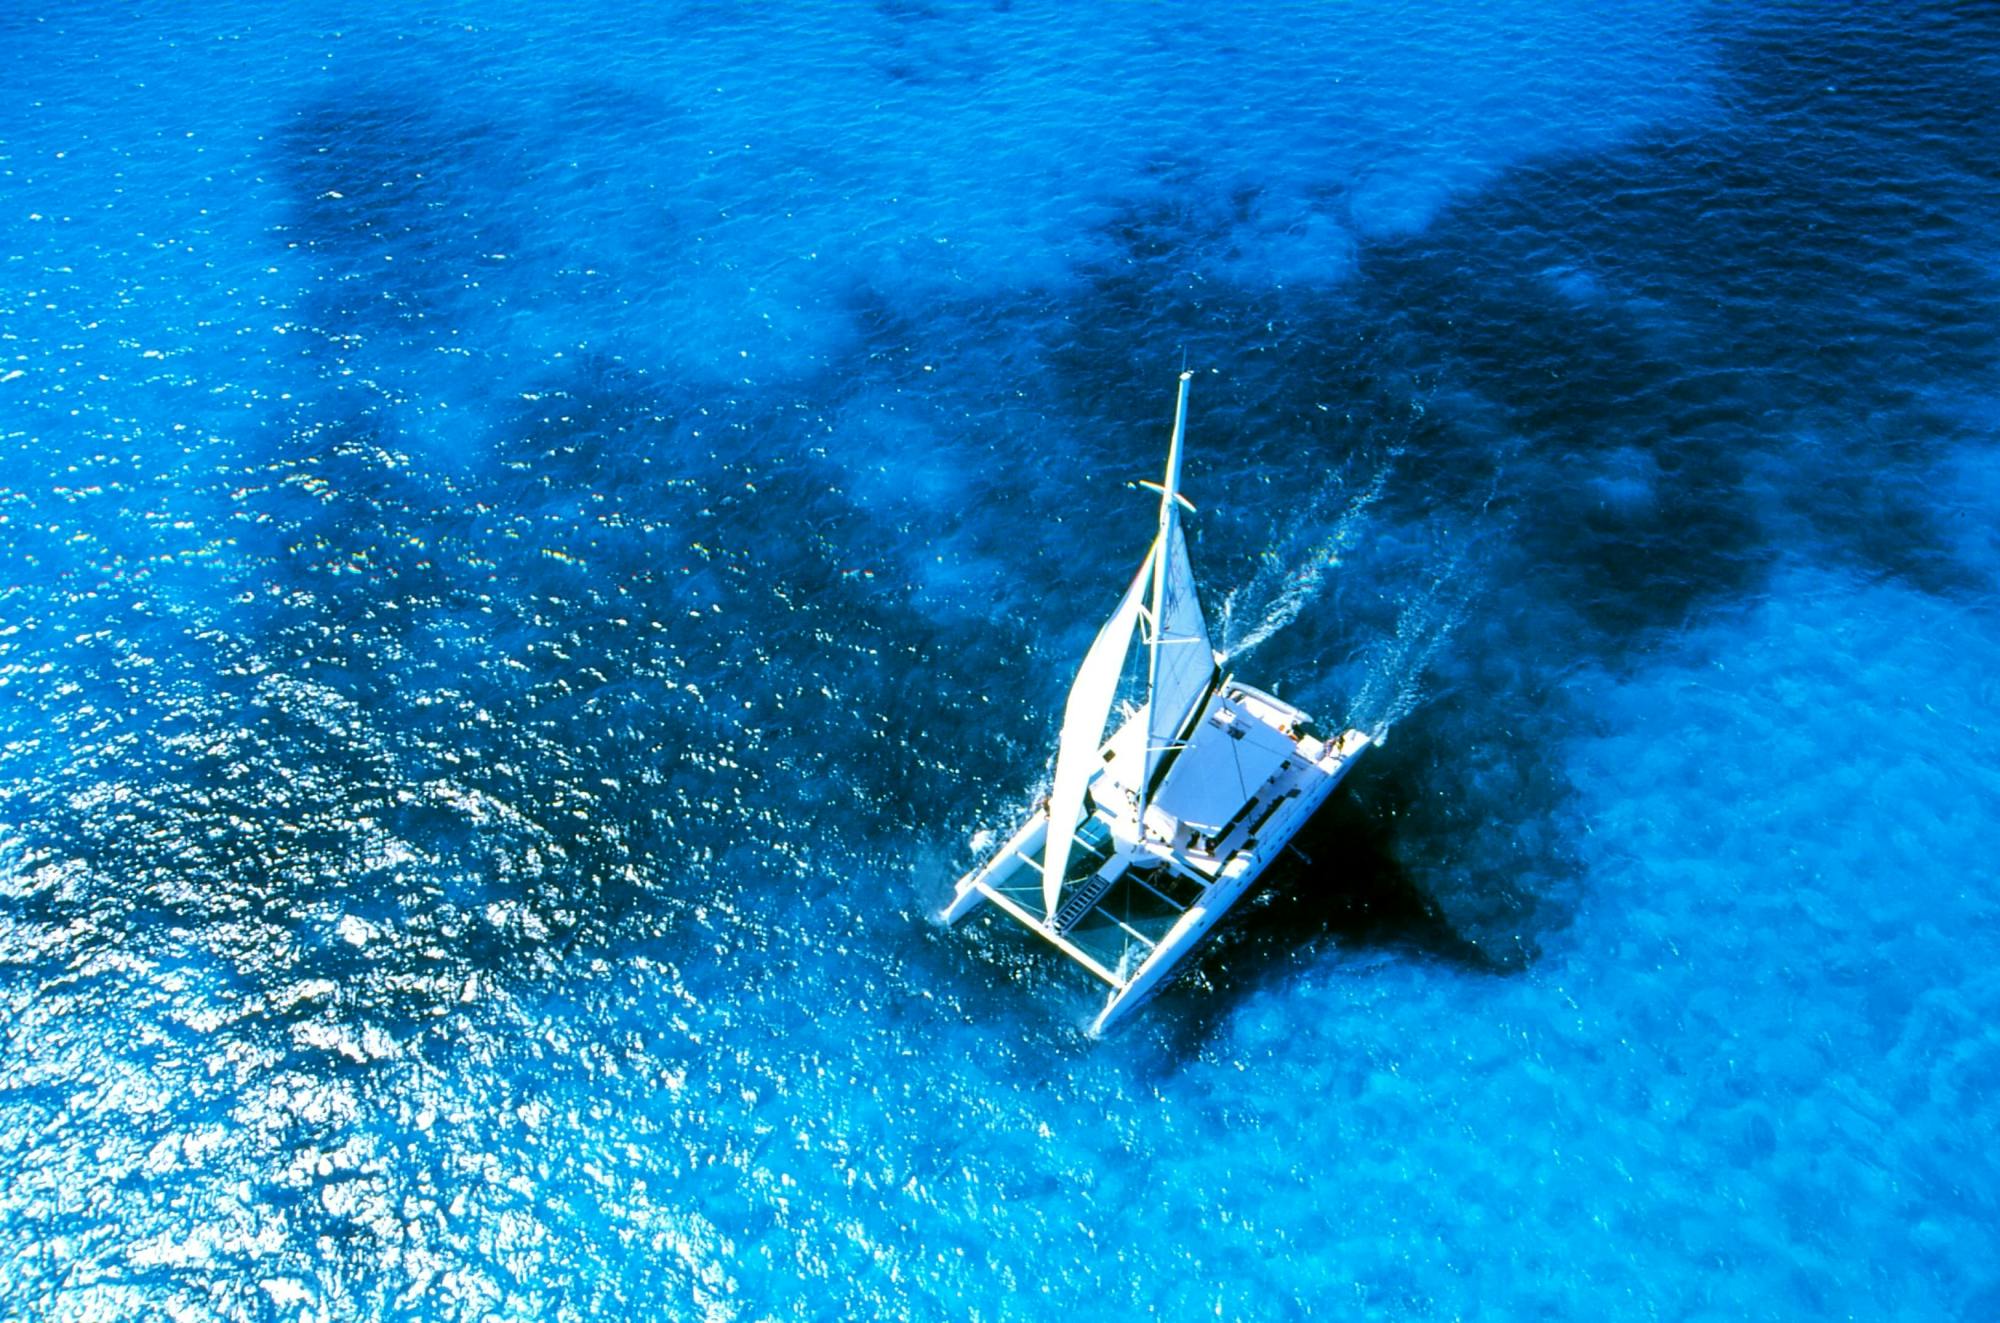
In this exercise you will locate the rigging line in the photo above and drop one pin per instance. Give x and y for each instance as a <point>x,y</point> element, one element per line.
<point>1242,786</point>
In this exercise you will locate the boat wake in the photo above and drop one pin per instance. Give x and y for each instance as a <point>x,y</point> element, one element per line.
<point>1288,589</point>
<point>1395,668</point>
<point>1393,686</point>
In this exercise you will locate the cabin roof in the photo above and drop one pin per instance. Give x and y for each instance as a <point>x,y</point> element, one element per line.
<point>1230,755</point>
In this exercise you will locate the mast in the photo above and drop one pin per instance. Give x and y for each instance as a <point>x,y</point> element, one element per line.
<point>1161,603</point>
<point>1170,500</point>
<point>1164,548</point>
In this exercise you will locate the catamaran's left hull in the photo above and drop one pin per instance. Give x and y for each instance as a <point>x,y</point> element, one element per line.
<point>1026,841</point>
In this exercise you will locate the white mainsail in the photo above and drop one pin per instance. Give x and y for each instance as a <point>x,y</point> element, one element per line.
<point>1181,665</point>
<point>1084,718</point>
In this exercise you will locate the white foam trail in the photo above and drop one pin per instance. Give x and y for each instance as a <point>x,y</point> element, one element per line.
<point>1393,687</point>
<point>1290,590</point>
<point>1395,677</point>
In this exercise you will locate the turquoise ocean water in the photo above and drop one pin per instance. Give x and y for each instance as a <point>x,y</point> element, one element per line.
<point>531,538</point>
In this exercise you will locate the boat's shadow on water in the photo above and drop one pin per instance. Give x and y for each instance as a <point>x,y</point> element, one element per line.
<point>1342,886</point>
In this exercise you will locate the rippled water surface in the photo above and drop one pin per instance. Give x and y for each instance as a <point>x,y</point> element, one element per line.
<point>532,539</point>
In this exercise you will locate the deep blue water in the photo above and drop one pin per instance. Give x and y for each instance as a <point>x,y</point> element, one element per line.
<point>532,538</point>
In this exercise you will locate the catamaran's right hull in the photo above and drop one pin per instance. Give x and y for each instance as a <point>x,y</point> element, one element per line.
<point>1236,880</point>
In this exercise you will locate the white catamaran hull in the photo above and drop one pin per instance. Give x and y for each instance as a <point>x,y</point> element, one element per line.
<point>1236,880</point>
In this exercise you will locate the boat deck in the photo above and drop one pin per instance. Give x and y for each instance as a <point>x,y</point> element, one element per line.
<point>1132,905</point>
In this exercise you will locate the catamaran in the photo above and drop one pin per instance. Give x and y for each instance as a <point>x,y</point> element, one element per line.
<point>1150,836</point>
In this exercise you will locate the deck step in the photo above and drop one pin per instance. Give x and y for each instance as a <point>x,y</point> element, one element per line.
<point>1086,895</point>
